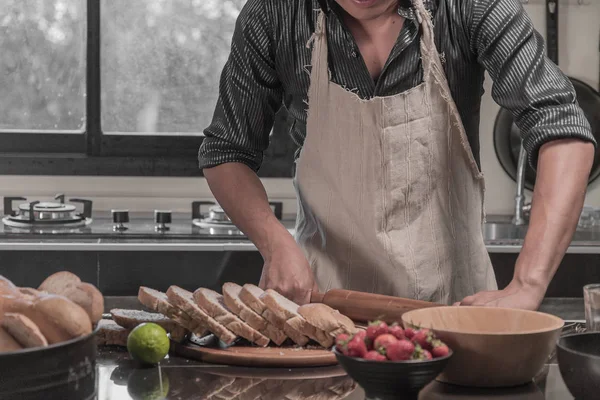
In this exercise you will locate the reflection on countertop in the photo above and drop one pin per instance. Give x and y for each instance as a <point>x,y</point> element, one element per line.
<point>182,379</point>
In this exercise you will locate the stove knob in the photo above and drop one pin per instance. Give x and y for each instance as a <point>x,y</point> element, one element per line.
<point>120,217</point>
<point>162,218</point>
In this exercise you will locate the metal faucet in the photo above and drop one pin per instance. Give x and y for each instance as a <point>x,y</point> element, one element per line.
<point>522,209</point>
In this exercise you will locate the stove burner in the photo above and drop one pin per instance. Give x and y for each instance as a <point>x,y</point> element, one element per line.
<point>47,214</point>
<point>217,220</point>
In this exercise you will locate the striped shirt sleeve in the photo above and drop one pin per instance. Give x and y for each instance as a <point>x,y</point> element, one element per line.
<point>540,97</point>
<point>250,94</point>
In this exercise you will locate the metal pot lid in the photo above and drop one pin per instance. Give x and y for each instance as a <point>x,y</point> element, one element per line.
<point>48,206</point>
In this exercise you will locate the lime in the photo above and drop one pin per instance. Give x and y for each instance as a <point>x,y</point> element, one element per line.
<point>148,343</point>
<point>147,384</point>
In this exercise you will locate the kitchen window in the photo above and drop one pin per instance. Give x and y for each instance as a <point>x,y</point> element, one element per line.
<point>115,87</point>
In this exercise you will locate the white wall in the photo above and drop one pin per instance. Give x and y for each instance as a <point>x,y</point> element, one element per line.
<point>578,57</point>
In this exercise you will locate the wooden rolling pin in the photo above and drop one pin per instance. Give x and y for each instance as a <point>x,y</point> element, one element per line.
<point>365,307</point>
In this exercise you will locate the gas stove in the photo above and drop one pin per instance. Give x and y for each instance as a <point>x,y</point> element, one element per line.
<point>68,218</point>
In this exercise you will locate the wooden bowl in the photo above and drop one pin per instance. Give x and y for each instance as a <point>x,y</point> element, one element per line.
<point>493,347</point>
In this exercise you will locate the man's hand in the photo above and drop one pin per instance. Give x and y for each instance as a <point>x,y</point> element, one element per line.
<point>287,271</point>
<point>515,295</point>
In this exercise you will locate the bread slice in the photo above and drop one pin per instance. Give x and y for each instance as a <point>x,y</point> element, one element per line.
<point>184,300</point>
<point>231,293</point>
<point>159,302</point>
<point>69,285</point>
<point>7,342</point>
<point>251,296</point>
<point>129,319</point>
<point>24,330</point>
<point>326,319</point>
<point>111,334</point>
<point>214,305</point>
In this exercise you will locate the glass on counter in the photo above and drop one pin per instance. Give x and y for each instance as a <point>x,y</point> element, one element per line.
<point>591,296</point>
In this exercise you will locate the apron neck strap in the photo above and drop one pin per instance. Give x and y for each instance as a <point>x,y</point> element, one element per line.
<point>318,41</point>
<point>429,54</point>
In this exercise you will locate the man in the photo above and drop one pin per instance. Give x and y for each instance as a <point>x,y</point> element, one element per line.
<point>389,188</point>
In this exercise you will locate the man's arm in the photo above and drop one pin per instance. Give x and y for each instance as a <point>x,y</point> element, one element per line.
<point>555,133</point>
<point>250,94</point>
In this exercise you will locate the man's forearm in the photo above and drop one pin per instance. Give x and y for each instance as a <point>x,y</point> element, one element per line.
<point>562,176</point>
<point>243,197</point>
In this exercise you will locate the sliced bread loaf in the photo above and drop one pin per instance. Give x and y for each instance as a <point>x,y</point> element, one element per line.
<point>24,330</point>
<point>184,300</point>
<point>252,295</point>
<point>159,302</point>
<point>285,308</point>
<point>231,297</point>
<point>327,319</point>
<point>214,305</point>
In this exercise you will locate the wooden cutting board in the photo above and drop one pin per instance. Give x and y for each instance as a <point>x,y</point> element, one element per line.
<point>208,350</point>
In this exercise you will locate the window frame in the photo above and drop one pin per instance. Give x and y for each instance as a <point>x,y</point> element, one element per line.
<point>92,152</point>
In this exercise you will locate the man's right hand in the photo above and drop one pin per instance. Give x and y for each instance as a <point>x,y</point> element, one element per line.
<point>287,271</point>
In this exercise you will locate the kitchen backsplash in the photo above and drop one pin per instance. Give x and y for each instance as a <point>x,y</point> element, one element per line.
<point>578,57</point>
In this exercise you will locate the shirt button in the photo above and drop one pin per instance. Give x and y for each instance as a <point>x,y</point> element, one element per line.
<point>353,54</point>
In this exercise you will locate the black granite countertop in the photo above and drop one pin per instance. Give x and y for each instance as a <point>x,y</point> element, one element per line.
<point>181,379</point>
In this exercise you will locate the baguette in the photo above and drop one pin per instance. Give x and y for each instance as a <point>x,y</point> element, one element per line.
<point>7,342</point>
<point>231,293</point>
<point>24,330</point>
<point>7,287</point>
<point>214,305</point>
<point>58,318</point>
<point>184,300</point>
<point>85,295</point>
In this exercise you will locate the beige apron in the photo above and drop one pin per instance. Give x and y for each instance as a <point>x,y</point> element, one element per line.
<point>390,196</point>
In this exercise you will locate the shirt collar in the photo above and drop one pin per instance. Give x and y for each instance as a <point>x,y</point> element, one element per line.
<point>406,12</point>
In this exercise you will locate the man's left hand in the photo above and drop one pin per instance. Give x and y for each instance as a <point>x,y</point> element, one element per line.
<point>515,295</point>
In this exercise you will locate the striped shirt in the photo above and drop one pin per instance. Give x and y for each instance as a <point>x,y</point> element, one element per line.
<point>269,63</point>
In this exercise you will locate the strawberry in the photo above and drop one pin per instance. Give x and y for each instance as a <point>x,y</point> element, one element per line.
<point>341,343</point>
<point>423,338</point>
<point>376,329</point>
<point>440,349</point>
<point>397,331</point>
<point>427,355</point>
<point>421,354</point>
<point>373,355</point>
<point>383,341</point>
<point>356,346</point>
<point>400,351</point>
<point>409,333</point>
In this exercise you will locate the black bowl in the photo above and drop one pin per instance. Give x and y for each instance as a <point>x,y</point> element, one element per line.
<point>579,363</point>
<point>392,379</point>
